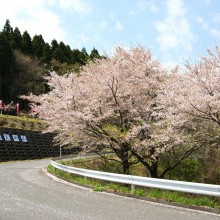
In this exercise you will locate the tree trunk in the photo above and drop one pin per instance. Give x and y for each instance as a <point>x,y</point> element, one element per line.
<point>125,165</point>
<point>123,154</point>
<point>125,158</point>
<point>152,167</point>
<point>154,170</point>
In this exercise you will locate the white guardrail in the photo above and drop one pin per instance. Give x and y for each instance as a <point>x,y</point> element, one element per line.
<point>189,187</point>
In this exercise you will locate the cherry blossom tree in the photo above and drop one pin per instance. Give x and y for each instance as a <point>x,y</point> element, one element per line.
<point>193,94</point>
<point>192,97</point>
<point>9,108</point>
<point>114,104</point>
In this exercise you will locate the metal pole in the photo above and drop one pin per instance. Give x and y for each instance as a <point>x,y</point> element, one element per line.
<point>60,152</point>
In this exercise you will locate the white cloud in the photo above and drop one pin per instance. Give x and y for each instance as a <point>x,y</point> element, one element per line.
<point>202,22</point>
<point>80,40</point>
<point>153,7</point>
<point>131,12</point>
<point>144,4</point>
<point>175,8</point>
<point>170,64</point>
<point>118,25</point>
<point>207,2</point>
<point>38,16</point>
<point>174,30</point>
<point>102,26</point>
<point>215,33</point>
<point>33,16</point>
<point>71,5</point>
<point>216,17</point>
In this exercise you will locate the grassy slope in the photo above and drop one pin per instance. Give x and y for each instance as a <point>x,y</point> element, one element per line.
<point>9,121</point>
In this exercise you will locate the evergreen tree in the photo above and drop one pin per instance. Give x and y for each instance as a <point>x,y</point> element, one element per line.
<point>76,56</point>
<point>26,43</point>
<point>57,55</point>
<point>62,53</point>
<point>6,63</point>
<point>38,45</point>
<point>84,56</point>
<point>7,27</point>
<point>66,53</point>
<point>47,56</point>
<point>54,45</point>
<point>7,30</point>
<point>16,39</point>
<point>6,55</point>
<point>94,54</point>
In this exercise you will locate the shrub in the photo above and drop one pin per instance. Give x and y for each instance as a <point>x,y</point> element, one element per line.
<point>3,121</point>
<point>12,125</point>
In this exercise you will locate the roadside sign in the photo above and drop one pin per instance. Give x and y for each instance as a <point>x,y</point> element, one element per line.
<point>7,137</point>
<point>23,138</point>
<point>15,137</point>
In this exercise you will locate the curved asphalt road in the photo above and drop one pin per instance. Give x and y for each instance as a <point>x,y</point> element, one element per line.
<point>27,193</point>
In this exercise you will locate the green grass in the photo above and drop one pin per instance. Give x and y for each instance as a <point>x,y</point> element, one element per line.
<point>9,121</point>
<point>170,196</point>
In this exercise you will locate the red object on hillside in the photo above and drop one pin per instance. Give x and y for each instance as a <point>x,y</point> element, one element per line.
<point>17,107</point>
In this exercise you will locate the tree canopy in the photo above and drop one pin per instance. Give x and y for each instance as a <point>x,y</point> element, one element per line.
<point>121,103</point>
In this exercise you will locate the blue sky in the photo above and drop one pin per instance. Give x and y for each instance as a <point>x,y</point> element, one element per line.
<point>173,29</point>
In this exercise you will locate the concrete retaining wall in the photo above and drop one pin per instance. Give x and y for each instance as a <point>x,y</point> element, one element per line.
<point>16,144</point>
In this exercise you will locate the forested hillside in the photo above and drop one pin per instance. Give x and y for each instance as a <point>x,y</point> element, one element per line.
<point>25,60</point>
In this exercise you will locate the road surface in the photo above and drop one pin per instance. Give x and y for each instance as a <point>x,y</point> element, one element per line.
<point>27,193</point>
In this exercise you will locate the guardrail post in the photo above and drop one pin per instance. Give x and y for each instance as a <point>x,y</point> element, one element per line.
<point>132,188</point>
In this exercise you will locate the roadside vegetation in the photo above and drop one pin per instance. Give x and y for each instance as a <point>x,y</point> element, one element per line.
<point>190,170</point>
<point>143,192</point>
<point>26,123</point>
